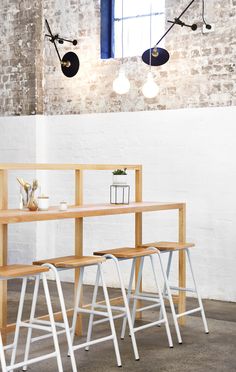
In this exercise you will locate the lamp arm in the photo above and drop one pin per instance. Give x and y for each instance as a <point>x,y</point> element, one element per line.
<point>175,22</point>
<point>53,40</point>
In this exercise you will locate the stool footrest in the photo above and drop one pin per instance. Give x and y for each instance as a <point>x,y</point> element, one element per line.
<point>183,289</point>
<point>32,361</point>
<point>148,307</point>
<point>136,329</point>
<point>35,326</point>
<point>107,319</point>
<point>98,340</point>
<point>9,346</point>
<point>144,294</point>
<point>39,338</point>
<point>95,312</point>
<point>189,312</point>
<point>115,308</point>
<point>47,322</point>
<point>146,298</point>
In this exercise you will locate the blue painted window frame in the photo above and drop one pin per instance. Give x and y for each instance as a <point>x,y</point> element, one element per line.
<point>107,29</point>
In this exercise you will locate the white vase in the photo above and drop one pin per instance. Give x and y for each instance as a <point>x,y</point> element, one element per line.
<point>119,179</point>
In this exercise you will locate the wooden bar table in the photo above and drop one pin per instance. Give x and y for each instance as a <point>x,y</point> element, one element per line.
<point>78,212</point>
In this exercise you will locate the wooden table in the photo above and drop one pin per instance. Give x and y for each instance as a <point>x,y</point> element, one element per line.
<point>78,212</point>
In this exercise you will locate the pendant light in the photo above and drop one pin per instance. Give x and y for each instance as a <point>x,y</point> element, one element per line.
<point>150,88</point>
<point>121,84</point>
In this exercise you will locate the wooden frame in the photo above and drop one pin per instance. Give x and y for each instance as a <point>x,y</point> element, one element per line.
<point>3,253</point>
<point>78,212</point>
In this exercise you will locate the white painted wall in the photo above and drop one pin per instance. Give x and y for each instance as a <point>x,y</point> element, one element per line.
<point>18,144</point>
<point>188,155</point>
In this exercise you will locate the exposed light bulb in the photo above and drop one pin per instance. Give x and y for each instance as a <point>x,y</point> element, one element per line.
<point>150,88</point>
<point>121,84</point>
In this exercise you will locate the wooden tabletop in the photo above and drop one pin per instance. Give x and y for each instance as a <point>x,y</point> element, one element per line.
<point>66,166</point>
<point>89,210</point>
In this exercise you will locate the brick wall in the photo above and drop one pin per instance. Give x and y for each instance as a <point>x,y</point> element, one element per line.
<point>21,48</point>
<point>201,71</point>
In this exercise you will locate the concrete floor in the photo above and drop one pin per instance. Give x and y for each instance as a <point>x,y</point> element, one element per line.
<point>199,352</point>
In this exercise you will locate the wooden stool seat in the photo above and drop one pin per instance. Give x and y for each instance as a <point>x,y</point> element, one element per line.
<point>18,271</point>
<point>168,246</point>
<point>126,252</point>
<point>71,261</point>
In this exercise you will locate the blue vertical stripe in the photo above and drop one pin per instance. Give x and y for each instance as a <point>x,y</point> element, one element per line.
<point>107,29</point>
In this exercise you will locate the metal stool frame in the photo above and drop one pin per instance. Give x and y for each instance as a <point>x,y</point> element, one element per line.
<point>70,332</point>
<point>125,312</point>
<point>167,293</point>
<point>168,287</point>
<point>22,324</point>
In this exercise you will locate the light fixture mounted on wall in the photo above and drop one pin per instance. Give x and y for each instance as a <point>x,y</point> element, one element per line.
<point>159,56</point>
<point>70,61</point>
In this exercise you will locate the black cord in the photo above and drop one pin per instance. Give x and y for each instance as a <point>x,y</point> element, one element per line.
<point>203,11</point>
<point>203,15</point>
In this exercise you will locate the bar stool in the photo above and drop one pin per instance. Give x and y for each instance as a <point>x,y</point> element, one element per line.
<point>171,247</point>
<point>120,254</point>
<point>74,262</point>
<point>25,271</point>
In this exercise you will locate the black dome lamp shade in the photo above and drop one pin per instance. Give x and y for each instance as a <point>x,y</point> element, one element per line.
<point>159,56</point>
<point>69,62</point>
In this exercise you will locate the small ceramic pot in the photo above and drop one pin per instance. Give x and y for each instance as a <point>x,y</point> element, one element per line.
<point>43,203</point>
<point>119,179</point>
<point>63,206</point>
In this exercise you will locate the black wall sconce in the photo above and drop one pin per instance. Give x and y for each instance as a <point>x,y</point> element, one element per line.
<point>70,61</point>
<point>159,56</point>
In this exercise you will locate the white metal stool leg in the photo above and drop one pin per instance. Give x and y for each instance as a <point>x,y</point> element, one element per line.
<point>169,296</point>
<point>162,303</point>
<point>76,305</point>
<point>64,316</point>
<point>32,314</point>
<point>126,304</point>
<point>51,318</point>
<point>18,321</point>
<point>128,297</point>
<point>167,275</point>
<point>137,290</point>
<point>91,317</point>
<point>2,356</point>
<point>113,331</point>
<point>167,270</point>
<point>198,295</point>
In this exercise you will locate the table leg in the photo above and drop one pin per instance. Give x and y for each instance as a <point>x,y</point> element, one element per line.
<point>78,241</point>
<point>3,255</point>
<point>182,263</point>
<point>138,230</point>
